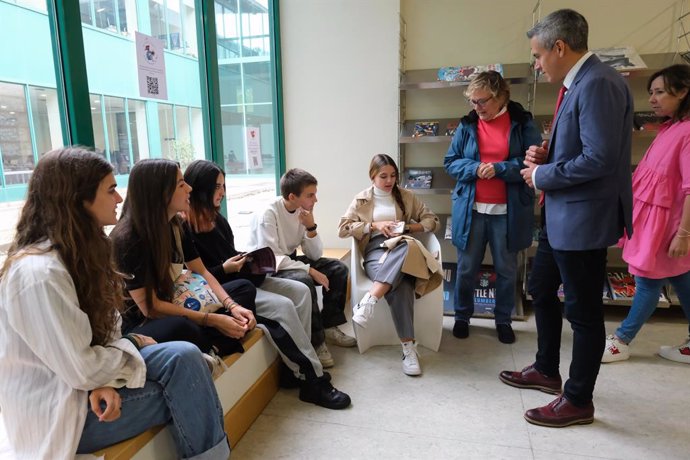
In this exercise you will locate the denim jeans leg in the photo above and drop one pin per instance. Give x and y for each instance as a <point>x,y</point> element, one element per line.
<point>469,261</point>
<point>644,303</point>
<point>681,284</point>
<point>505,266</point>
<point>179,390</point>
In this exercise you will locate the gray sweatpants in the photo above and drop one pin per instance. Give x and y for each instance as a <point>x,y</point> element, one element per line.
<point>283,310</point>
<point>400,298</point>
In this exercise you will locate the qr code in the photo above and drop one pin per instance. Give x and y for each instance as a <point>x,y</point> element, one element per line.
<point>152,85</point>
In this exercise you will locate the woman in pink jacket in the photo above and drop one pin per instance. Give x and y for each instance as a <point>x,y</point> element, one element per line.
<point>657,251</point>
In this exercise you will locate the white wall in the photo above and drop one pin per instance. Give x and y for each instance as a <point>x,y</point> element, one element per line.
<point>340,60</point>
<point>340,81</point>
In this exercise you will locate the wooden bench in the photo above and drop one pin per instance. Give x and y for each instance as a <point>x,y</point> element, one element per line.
<point>244,390</point>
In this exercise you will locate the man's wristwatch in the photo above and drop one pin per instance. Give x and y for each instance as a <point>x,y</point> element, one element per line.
<point>312,228</point>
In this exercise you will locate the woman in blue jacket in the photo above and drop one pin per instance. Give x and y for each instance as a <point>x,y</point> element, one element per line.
<point>491,202</point>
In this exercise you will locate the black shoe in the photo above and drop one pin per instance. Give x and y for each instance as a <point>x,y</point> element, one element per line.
<point>288,380</point>
<point>505,333</point>
<point>461,329</point>
<point>320,392</point>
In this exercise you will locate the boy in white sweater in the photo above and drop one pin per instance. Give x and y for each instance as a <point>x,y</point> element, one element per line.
<point>288,223</point>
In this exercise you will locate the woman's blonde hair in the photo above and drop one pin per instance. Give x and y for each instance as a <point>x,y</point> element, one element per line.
<point>62,182</point>
<point>492,82</point>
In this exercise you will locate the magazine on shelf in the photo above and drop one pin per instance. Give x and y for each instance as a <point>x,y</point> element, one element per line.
<point>605,292</point>
<point>622,285</point>
<point>465,73</point>
<point>449,273</point>
<point>621,58</point>
<point>418,178</point>
<point>451,127</point>
<point>425,128</point>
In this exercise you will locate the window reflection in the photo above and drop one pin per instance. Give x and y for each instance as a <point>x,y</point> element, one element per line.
<point>118,139</point>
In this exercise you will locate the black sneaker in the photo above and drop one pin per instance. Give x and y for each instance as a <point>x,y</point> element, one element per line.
<point>320,392</point>
<point>505,333</point>
<point>461,329</point>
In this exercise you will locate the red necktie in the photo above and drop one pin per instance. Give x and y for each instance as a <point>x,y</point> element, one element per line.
<point>561,93</point>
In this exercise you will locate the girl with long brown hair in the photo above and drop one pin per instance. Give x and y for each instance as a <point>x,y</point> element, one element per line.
<point>150,248</point>
<point>382,211</point>
<point>69,381</point>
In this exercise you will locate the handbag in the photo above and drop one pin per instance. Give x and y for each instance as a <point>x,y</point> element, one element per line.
<point>193,292</point>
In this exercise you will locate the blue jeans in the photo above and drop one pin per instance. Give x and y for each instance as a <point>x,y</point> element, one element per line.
<point>646,298</point>
<point>491,229</point>
<point>179,391</point>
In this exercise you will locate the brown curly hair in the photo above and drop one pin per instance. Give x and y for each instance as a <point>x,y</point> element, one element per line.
<point>61,183</point>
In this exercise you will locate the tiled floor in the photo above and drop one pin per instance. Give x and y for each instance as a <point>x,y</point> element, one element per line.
<point>459,408</point>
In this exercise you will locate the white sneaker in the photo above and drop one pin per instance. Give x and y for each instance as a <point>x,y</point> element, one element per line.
<point>363,311</point>
<point>324,356</point>
<point>215,364</point>
<point>679,353</point>
<point>335,336</point>
<point>615,350</point>
<point>410,359</point>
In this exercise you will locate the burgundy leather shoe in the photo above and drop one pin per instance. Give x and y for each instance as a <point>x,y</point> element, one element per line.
<point>530,378</point>
<point>560,413</point>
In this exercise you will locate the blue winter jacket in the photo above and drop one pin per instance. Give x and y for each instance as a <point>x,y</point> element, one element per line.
<point>461,163</point>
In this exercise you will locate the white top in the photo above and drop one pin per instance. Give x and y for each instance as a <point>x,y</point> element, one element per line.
<point>47,364</point>
<point>384,207</point>
<point>282,231</point>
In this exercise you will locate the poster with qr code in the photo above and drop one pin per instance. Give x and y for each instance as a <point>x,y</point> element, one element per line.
<point>151,66</point>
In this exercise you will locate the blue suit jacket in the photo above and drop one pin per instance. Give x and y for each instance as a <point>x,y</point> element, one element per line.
<point>587,177</point>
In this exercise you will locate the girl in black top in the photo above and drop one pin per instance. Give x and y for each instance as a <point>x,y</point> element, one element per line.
<point>147,250</point>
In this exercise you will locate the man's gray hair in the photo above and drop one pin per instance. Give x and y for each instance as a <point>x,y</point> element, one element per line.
<point>567,25</point>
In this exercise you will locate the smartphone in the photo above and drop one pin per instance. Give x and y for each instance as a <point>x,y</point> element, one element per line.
<point>399,227</point>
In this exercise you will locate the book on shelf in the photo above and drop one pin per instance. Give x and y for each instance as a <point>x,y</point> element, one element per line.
<point>622,58</point>
<point>425,128</point>
<point>647,121</point>
<point>448,235</point>
<point>466,73</point>
<point>418,178</point>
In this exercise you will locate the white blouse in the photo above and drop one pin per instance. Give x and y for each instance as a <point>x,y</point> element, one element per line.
<point>47,364</point>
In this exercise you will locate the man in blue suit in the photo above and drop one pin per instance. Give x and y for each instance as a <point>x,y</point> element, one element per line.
<point>586,181</point>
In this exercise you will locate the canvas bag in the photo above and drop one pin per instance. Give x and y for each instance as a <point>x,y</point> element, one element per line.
<point>191,289</point>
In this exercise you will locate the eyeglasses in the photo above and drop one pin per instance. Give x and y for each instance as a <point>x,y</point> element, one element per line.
<point>479,102</point>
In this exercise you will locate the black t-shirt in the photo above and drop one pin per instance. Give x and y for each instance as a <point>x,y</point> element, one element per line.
<point>131,258</point>
<point>217,246</point>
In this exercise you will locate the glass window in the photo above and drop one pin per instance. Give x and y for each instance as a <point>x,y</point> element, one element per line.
<point>97,120</point>
<point>112,15</point>
<point>15,136</point>
<point>45,115</point>
<point>197,124</point>
<point>189,25</point>
<point>166,127</point>
<point>118,138</point>
<point>174,24</point>
<point>157,17</point>
<point>138,130</point>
